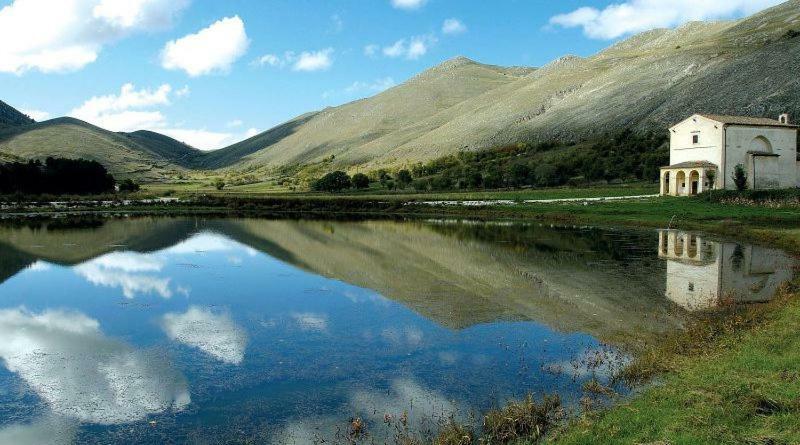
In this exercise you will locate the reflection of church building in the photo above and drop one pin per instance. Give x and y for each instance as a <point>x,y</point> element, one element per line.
<point>705,150</point>
<point>702,273</point>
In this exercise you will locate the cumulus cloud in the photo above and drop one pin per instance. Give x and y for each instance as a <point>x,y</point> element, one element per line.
<point>124,111</point>
<point>83,375</point>
<point>210,50</point>
<point>375,86</point>
<point>37,115</point>
<point>408,4</point>
<point>410,49</point>
<point>215,334</point>
<point>314,60</point>
<point>66,35</point>
<point>453,26</point>
<point>305,61</point>
<point>634,16</point>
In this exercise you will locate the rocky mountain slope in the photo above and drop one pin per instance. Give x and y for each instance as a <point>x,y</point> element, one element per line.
<point>646,82</point>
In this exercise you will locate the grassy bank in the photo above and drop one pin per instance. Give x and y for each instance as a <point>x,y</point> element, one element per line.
<point>732,381</point>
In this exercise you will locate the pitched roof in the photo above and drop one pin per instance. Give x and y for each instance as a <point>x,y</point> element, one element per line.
<point>693,164</point>
<point>747,121</point>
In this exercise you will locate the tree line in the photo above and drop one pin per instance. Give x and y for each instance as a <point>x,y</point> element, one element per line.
<point>620,157</point>
<point>57,176</point>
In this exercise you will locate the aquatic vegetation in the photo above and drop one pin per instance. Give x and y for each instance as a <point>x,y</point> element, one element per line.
<point>526,419</point>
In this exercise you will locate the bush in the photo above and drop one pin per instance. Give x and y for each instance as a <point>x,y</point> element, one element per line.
<point>128,186</point>
<point>218,184</point>
<point>740,178</point>
<point>360,181</point>
<point>332,182</point>
<point>404,178</point>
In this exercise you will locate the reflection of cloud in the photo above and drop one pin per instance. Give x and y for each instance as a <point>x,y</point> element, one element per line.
<point>39,266</point>
<point>308,321</point>
<point>422,404</point>
<point>131,284</point>
<point>48,430</point>
<point>129,262</point>
<point>216,335</point>
<point>601,363</point>
<point>202,242</point>
<point>84,375</point>
<point>408,336</point>
<point>448,357</point>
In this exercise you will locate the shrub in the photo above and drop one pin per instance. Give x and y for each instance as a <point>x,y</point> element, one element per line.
<point>360,181</point>
<point>128,186</point>
<point>218,184</point>
<point>404,178</point>
<point>740,178</point>
<point>332,182</point>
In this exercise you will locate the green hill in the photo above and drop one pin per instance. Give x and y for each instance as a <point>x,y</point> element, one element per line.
<point>11,117</point>
<point>143,155</point>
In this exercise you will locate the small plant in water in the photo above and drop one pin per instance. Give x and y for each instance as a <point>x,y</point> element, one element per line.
<point>357,428</point>
<point>453,433</point>
<point>527,419</point>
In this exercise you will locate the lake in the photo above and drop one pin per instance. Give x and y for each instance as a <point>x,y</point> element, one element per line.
<point>175,330</point>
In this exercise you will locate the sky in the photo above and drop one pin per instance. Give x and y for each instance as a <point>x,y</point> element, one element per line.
<point>211,73</point>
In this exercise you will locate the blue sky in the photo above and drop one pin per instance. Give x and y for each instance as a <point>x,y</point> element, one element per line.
<point>212,72</point>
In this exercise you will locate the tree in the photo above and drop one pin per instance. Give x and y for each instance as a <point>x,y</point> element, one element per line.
<point>546,175</point>
<point>219,184</point>
<point>404,178</point>
<point>128,186</point>
<point>712,176</point>
<point>740,177</point>
<point>360,181</point>
<point>333,182</point>
<point>519,174</point>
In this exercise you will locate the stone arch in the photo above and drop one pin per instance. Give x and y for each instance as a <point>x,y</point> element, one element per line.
<point>761,144</point>
<point>678,247</point>
<point>694,182</point>
<point>692,250</point>
<point>680,183</point>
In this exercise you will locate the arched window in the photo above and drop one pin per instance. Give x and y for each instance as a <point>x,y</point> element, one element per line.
<point>761,144</point>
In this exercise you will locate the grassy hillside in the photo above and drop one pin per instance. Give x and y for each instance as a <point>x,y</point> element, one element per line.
<point>142,155</point>
<point>644,83</point>
<point>10,116</point>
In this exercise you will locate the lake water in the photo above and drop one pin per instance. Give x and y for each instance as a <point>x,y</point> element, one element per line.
<point>176,330</point>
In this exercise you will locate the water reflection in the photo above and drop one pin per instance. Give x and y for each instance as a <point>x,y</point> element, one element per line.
<point>282,330</point>
<point>703,273</point>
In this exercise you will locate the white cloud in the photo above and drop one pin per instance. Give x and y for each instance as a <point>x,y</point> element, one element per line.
<point>337,23</point>
<point>376,86</point>
<point>371,50</point>
<point>213,49</point>
<point>36,115</point>
<point>183,92</point>
<point>314,61</point>
<point>66,35</point>
<point>118,112</point>
<point>206,140</point>
<point>634,16</point>
<point>234,123</point>
<point>269,59</point>
<point>453,26</point>
<point>215,334</point>
<point>410,49</point>
<point>83,375</point>
<point>408,4</point>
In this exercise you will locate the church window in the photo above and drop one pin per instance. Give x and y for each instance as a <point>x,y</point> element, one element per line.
<point>695,139</point>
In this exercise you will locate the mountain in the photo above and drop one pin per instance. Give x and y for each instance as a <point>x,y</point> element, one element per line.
<point>143,155</point>
<point>11,117</point>
<point>646,82</point>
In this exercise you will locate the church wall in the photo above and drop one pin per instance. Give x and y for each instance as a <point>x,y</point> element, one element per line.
<point>682,148</point>
<point>780,172</point>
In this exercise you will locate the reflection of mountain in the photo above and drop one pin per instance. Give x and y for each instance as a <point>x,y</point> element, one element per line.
<point>525,273</point>
<point>702,273</point>
<point>456,275</point>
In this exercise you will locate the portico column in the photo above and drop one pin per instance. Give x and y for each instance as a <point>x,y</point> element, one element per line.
<point>701,181</point>
<point>673,183</point>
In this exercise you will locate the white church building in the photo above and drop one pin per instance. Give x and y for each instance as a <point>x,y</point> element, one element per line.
<point>705,150</point>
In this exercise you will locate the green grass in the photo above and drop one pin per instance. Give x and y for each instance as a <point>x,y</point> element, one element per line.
<point>744,388</point>
<point>267,190</point>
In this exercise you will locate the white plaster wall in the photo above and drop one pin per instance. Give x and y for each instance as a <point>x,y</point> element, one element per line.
<point>708,148</point>
<point>784,143</point>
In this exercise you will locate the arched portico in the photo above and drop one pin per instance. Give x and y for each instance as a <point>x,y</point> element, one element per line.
<point>688,178</point>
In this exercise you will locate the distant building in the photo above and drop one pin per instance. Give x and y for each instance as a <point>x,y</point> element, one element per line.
<point>705,149</point>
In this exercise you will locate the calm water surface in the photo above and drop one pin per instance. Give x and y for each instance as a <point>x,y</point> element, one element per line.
<point>183,330</point>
